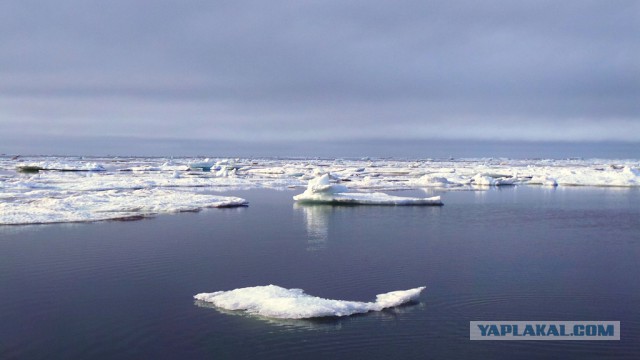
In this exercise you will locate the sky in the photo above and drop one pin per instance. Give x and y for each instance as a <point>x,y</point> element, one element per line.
<point>183,77</point>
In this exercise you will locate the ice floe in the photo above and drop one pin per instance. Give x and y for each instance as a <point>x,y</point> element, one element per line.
<point>276,302</point>
<point>320,190</point>
<point>57,207</point>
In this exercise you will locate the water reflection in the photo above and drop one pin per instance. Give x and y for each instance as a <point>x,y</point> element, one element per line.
<point>317,223</point>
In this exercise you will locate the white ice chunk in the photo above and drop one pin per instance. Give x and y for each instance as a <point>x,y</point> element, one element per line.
<point>485,180</point>
<point>543,180</point>
<point>277,302</point>
<point>226,171</point>
<point>320,190</point>
<point>430,180</point>
<point>582,176</point>
<point>481,180</point>
<point>205,165</point>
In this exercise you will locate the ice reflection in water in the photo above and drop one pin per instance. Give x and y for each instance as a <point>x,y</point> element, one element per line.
<point>317,222</point>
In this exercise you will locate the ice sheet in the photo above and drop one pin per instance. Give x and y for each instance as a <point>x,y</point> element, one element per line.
<point>277,302</point>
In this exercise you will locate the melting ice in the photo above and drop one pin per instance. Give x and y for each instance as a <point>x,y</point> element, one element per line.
<point>277,302</point>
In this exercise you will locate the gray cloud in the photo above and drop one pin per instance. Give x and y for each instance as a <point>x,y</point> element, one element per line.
<point>272,71</point>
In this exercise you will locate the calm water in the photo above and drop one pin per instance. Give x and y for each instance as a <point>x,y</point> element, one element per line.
<point>123,290</point>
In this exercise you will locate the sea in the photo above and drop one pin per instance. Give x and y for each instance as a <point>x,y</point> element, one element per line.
<point>124,289</point>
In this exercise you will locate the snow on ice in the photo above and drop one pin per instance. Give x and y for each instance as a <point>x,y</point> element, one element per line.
<point>277,302</point>
<point>320,190</point>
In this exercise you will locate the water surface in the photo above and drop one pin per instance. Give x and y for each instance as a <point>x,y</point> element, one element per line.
<point>124,289</point>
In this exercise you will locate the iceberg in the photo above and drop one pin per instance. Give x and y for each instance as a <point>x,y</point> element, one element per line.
<point>277,302</point>
<point>321,191</point>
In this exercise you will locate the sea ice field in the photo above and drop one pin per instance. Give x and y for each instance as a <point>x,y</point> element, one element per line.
<point>347,280</point>
<point>39,190</point>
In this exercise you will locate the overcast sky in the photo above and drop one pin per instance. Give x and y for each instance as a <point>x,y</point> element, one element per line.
<point>280,72</point>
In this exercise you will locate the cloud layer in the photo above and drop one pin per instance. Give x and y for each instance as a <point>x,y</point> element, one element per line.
<point>320,70</point>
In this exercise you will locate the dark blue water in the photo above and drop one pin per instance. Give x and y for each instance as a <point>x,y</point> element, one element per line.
<point>123,290</point>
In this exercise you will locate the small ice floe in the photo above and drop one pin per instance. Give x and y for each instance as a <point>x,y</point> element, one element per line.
<point>321,191</point>
<point>276,302</point>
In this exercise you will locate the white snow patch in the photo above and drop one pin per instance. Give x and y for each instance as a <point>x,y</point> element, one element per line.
<point>277,302</point>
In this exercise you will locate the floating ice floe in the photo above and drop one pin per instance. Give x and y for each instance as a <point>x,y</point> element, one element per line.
<point>321,191</point>
<point>277,302</point>
<point>57,207</point>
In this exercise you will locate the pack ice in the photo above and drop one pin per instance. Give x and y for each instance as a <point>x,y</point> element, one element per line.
<point>44,189</point>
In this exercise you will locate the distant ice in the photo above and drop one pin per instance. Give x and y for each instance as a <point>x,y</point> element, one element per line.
<point>277,302</point>
<point>321,190</point>
<point>55,189</point>
<point>204,165</point>
<point>543,180</point>
<point>487,180</point>
<point>431,180</point>
<point>60,166</point>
